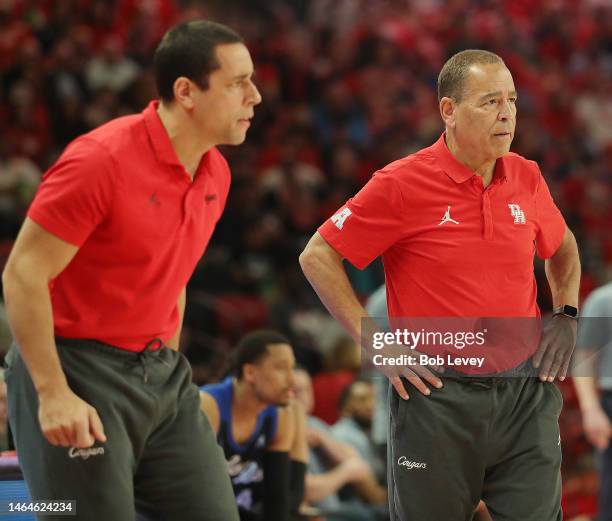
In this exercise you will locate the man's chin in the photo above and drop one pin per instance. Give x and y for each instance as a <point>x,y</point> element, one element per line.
<point>503,148</point>
<point>239,138</point>
<point>234,140</point>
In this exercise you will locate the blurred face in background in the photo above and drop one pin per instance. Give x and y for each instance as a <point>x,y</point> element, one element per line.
<point>302,389</point>
<point>483,122</point>
<point>360,404</point>
<point>271,379</point>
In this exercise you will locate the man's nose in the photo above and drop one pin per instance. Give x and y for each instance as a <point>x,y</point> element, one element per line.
<point>255,97</point>
<point>506,111</point>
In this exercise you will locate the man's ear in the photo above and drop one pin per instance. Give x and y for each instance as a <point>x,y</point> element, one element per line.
<point>247,372</point>
<point>447,111</point>
<point>183,89</point>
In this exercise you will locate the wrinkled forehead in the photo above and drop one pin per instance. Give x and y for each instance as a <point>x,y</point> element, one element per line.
<point>482,79</point>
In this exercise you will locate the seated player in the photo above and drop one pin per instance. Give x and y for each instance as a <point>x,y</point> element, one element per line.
<point>258,429</point>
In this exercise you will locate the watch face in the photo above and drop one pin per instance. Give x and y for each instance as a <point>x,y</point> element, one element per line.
<point>570,311</point>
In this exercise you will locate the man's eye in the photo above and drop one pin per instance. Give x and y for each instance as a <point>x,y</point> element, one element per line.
<point>512,100</point>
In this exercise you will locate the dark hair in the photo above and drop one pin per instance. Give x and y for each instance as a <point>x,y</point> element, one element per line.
<point>189,49</point>
<point>254,346</point>
<point>451,80</point>
<point>346,392</point>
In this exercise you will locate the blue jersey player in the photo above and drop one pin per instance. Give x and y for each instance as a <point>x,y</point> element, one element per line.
<point>257,427</point>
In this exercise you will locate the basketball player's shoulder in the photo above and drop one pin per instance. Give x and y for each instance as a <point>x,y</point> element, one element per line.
<point>219,391</point>
<point>210,407</point>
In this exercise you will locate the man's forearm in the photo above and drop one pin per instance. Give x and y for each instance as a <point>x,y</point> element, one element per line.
<point>335,450</point>
<point>586,390</point>
<point>323,268</point>
<point>563,272</point>
<point>28,306</point>
<point>319,486</point>
<point>369,490</point>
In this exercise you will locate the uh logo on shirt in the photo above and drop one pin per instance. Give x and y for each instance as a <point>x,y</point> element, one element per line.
<point>339,218</point>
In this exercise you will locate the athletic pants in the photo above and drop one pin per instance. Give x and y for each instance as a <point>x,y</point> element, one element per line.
<point>161,456</point>
<point>495,438</point>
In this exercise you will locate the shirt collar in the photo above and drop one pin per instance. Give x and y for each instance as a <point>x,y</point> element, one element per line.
<point>457,171</point>
<point>159,137</point>
<point>162,145</point>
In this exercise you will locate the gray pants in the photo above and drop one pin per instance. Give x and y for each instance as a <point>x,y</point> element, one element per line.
<point>491,438</point>
<point>161,456</point>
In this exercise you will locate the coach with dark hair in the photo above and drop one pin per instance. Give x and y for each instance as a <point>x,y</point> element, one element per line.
<point>457,225</point>
<point>101,404</point>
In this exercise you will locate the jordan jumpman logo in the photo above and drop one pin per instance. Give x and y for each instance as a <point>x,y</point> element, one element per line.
<point>447,218</point>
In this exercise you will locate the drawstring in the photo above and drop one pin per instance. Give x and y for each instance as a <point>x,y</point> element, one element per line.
<point>481,382</point>
<point>144,355</point>
<point>486,384</point>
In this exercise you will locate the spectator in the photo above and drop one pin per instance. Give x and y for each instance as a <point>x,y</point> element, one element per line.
<point>332,465</point>
<point>357,405</point>
<point>342,364</point>
<point>594,374</point>
<point>111,69</point>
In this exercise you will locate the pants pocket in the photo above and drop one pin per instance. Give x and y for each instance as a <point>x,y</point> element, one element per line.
<point>558,395</point>
<point>9,361</point>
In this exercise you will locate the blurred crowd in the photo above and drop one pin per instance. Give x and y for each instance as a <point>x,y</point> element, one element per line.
<point>348,86</point>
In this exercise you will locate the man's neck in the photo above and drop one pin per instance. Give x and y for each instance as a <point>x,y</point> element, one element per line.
<point>188,148</point>
<point>245,404</point>
<point>481,167</point>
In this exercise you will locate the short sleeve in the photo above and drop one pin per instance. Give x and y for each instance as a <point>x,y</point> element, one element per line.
<point>369,223</point>
<point>550,225</point>
<point>76,192</point>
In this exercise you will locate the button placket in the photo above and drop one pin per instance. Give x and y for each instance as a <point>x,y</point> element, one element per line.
<point>186,205</point>
<point>487,218</point>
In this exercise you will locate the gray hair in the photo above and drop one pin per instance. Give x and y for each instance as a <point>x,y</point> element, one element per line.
<point>451,80</point>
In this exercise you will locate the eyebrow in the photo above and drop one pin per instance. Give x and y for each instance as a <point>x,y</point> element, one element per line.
<point>495,94</point>
<point>243,76</point>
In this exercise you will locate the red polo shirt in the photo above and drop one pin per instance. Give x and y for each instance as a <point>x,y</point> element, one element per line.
<point>120,194</point>
<point>451,247</point>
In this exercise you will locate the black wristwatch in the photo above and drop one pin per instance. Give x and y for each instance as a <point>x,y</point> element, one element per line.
<point>566,311</point>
